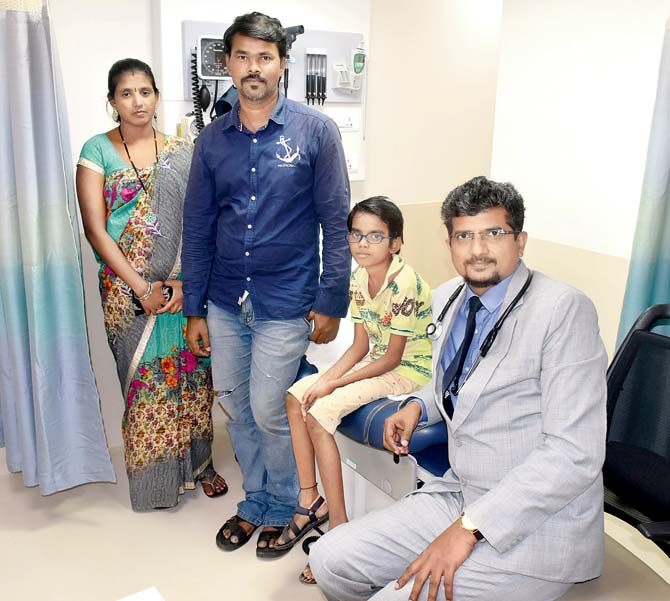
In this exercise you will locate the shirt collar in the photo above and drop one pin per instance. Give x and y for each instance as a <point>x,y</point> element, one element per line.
<point>493,297</point>
<point>361,275</point>
<point>232,118</point>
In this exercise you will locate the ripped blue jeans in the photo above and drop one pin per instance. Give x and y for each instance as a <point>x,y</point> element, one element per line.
<point>253,364</point>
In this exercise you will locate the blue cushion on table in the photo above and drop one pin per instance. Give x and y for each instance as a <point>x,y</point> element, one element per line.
<point>434,459</point>
<point>305,369</point>
<point>366,425</point>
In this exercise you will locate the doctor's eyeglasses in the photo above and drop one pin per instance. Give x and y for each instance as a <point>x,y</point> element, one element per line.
<point>493,235</point>
<point>371,237</point>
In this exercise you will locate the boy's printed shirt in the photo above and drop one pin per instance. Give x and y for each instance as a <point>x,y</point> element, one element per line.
<point>402,307</point>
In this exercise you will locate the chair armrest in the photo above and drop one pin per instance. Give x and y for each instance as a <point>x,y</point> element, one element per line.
<point>659,531</point>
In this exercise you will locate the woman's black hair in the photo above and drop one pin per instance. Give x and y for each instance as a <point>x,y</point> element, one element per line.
<point>383,208</point>
<point>127,65</point>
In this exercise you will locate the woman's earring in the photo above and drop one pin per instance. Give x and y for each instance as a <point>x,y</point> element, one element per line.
<point>155,118</point>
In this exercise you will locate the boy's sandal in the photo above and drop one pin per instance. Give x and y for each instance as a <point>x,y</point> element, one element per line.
<point>307,579</point>
<point>293,528</point>
<point>233,525</point>
<point>267,551</point>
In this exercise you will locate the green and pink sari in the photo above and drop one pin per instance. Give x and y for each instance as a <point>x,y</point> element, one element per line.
<point>167,426</point>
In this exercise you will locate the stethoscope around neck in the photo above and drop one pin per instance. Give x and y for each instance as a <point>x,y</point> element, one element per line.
<point>434,329</point>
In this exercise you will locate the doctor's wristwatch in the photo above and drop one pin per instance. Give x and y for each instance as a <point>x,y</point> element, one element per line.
<point>466,524</point>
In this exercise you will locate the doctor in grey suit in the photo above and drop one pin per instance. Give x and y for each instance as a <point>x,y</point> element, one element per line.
<point>519,514</point>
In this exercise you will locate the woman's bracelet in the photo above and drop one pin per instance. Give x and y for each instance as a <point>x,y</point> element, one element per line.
<point>147,294</point>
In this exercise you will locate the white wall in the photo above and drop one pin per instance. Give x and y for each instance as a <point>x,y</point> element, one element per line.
<point>90,36</point>
<point>576,88</point>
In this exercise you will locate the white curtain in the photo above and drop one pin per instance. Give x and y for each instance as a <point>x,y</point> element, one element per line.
<point>50,420</point>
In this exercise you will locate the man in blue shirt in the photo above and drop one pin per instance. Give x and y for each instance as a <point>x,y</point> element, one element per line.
<point>267,178</point>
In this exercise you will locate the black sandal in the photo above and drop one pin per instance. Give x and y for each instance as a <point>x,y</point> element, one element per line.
<point>298,532</point>
<point>233,524</point>
<point>267,551</point>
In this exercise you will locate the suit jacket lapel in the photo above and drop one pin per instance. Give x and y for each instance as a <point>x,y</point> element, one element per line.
<point>474,386</point>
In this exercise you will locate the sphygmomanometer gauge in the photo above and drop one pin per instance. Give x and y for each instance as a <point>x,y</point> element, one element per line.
<point>211,58</point>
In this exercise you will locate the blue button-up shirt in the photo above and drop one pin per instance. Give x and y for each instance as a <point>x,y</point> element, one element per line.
<point>253,208</point>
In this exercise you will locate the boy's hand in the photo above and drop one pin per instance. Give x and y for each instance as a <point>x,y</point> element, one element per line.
<point>319,389</point>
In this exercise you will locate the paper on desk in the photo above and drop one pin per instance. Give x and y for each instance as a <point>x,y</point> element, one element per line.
<point>151,594</point>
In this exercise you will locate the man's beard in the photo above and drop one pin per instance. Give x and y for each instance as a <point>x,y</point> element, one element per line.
<point>487,282</point>
<point>261,94</point>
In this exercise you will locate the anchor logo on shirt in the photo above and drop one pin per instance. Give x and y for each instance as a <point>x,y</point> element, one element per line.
<point>289,155</point>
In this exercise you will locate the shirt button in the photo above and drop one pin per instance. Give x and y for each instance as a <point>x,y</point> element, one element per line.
<point>253,170</point>
<point>246,254</point>
<point>476,331</point>
<point>248,279</point>
<point>249,226</point>
<point>253,198</point>
<point>255,141</point>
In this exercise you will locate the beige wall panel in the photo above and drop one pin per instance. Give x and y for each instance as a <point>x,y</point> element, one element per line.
<point>431,96</point>
<point>601,277</point>
<point>425,246</point>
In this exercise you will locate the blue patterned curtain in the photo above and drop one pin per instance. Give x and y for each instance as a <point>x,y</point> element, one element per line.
<point>649,276</point>
<point>50,420</point>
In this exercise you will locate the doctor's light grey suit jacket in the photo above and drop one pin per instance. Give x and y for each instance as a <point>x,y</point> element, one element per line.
<point>527,438</point>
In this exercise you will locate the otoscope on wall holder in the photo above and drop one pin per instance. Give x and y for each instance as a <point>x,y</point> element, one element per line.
<point>292,34</point>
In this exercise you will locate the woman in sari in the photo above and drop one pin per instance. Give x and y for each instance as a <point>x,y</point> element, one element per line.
<point>131,183</point>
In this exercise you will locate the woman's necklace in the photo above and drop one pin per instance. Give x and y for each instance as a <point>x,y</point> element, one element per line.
<point>123,141</point>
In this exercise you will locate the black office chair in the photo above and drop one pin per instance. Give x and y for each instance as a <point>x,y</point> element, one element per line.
<point>637,464</point>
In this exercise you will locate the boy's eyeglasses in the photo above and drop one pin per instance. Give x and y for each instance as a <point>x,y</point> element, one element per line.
<point>371,237</point>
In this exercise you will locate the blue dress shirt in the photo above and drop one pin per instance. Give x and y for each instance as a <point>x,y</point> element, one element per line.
<point>485,319</point>
<point>253,208</point>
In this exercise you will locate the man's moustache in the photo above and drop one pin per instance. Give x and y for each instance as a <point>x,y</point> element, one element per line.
<point>253,78</point>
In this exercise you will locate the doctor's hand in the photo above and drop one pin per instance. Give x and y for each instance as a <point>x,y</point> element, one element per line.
<point>197,336</point>
<point>325,327</point>
<point>439,561</point>
<point>399,427</point>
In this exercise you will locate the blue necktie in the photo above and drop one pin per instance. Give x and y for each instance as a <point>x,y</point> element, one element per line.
<point>453,373</point>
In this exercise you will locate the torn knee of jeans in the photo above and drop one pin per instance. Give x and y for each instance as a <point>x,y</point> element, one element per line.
<point>272,377</point>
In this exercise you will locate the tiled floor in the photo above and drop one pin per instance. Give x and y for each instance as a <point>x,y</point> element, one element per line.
<point>87,545</point>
